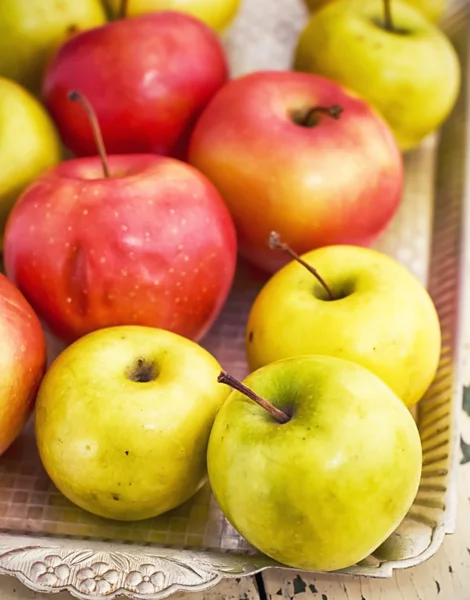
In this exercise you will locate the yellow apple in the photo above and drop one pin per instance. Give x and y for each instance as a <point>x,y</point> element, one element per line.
<point>381,317</point>
<point>29,143</point>
<point>218,14</point>
<point>432,9</point>
<point>123,418</point>
<point>407,69</point>
<point>31,31</point>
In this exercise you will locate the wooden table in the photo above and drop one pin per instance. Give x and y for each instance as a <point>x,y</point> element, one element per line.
<point>445,576</point>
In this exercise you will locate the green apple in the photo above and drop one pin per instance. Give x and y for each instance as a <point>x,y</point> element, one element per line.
<point>432,9</point>
<point>404,66</point>
<point>32,30</point>
<point>380,317</point>
<point>123,418</point>
<point>218,14</point>
<point>29,143</point>
<point>323,486</point>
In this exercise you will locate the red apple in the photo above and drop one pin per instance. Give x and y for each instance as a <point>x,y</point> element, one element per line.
<point>148,79</point>
<point>22,361</point>
<point>285,158</point>
<point>152,244</point>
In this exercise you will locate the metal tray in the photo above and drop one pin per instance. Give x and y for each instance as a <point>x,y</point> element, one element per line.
<point>51,545</point>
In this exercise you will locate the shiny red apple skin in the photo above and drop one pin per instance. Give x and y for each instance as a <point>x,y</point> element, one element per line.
<point>339,182</point>
<point>148,79</point>
<point>152,245</point>
<point>22,361</point>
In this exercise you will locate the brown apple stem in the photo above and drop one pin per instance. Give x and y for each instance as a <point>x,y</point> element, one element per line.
<point>334,112</point>
<point>388,21</point>
<point>98,137</point>
<point>123,9</point>
<point>275,243</point>
<point>227,379</point>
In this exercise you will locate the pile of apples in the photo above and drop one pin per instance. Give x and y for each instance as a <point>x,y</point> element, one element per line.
<point>124,245</point>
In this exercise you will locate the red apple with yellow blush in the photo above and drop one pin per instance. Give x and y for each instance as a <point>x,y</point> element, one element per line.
<point>134,239</point>
<point>301,155</point>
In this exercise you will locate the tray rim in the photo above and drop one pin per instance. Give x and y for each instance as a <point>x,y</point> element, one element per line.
<point>198,570</point>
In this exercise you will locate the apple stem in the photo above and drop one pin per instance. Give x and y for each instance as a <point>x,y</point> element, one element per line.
<point>123,9</point>
<point>276,244</point>
<point>227,379</point>
<point>388,15</point>
<point>75,96</point>
<point>334,112</point>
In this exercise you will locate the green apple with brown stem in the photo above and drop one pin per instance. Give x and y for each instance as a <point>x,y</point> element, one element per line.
<point>32,30</point>
<point>432,9</point>
<point>391,55</point>
<point>314,460</point>
<point>353,303</point>
<point>123,418</point>
<point>218,14</point>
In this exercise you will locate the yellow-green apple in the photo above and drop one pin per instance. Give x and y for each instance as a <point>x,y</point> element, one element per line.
<point>397,60</point>
<point>134,239</point>
<point>32,30</point>
<point>299,154</point>
<point>322,485</point>
<point>218,15</point>
<point>22,361</point>
<point>432,9</point>
<point>123,418</point>
<point>29,143</point>
<point>165,67</point>
<point>353,303</point>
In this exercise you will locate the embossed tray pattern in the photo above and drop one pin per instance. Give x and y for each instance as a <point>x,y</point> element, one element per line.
<point>50,544</point>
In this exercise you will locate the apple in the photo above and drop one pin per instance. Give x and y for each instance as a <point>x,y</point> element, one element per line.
<point>353,303</point>
<point>432,9</point>
<point>123,418</point>
<point>298,154</point>
<point>29,143</point>
<point>217,15</point>
<point>22,361</point>
<point>323,485</point>
<point>32,30</point>
<point>147,77</point>
<point>134,239</point>
<point>397,60</point>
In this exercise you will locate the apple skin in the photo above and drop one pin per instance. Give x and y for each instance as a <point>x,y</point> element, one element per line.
<point>126,449</point>
<point>22,361</point>
<point>147,77</point>
<point>330,485</point>
<point>383,319</point>
<point>152,245</point>
<point>217,15</point>
<point>432,9</point>
<point>338,182</point>
<point>413,80</point>
<point>32,30</point>
<point>29,143</point>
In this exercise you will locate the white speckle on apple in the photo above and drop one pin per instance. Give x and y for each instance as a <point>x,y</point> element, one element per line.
<point>69,228</point>
<point>124,227</point>
<point>69,300</point>
<point>196,270</point>
<point>137,287</point>
<point>208,220</point>
<point>150,202</point>
<point>172,211</point>
<point>85,211</point>
<point>183,221</point>
<point>131,255</point>
<point>180,247</point>
<point>171,270</point>
<point>51,240</point>
<point>177,300</point>
<point>132,294</point>
<point>109,297</point>
<point>204,290</point>
<point>156,282</point>
<point>123,272</point>
<point>32,228</point>
<point>116,214</point>
<point>178,283</point>
<point>35,205</point>
<point>175,230</point>
<point>102,259</point>
<point>147,235</point>
<point>183,273</point>
<point>186,258</point>
<point>67,244</point>
<point>48,205</point>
